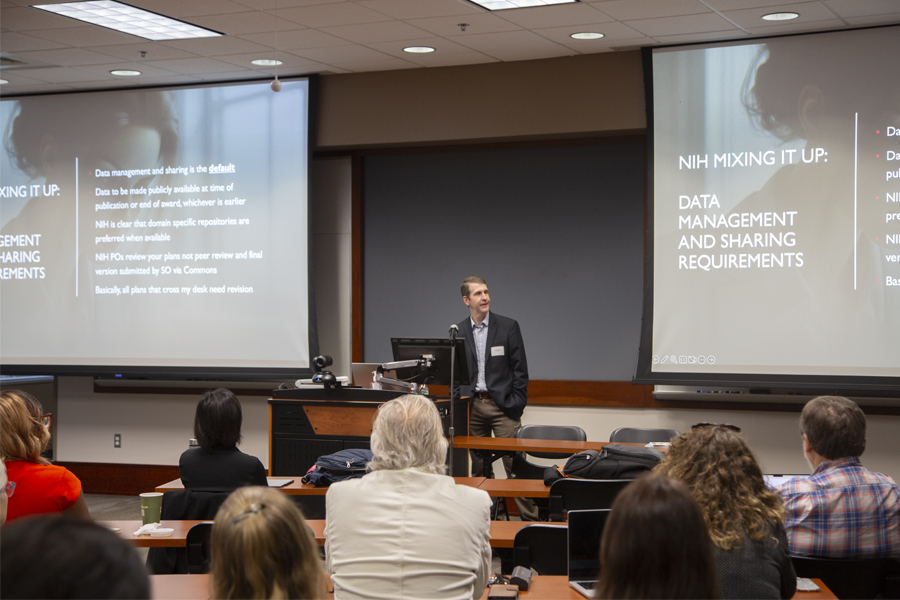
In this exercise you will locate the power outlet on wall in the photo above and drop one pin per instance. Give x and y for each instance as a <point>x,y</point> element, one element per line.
<point>117,440</point>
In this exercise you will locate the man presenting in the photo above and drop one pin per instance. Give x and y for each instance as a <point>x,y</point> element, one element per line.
<point>843,510</point>
<point>497,369</point>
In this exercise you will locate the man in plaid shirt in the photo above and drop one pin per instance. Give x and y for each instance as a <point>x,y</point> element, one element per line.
<point>843,510</point>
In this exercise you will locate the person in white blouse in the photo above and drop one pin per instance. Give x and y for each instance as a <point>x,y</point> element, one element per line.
<point>406,530</point>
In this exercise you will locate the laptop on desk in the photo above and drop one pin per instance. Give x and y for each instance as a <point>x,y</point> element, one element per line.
<point>585,529</point>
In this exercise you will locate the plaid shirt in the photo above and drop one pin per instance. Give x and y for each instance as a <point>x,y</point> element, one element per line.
<point>842,511</point>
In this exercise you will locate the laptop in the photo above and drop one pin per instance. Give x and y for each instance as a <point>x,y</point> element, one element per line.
<point>773,481</point>
<point>585,529</point>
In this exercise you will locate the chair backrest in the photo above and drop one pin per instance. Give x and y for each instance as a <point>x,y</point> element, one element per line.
<point>636,435</point>
<point>581,494</point>
<point>197,543</point>
<point>570,433</point>
<point>853,578</point>
<point>182,505</point>
<point>542,548</point>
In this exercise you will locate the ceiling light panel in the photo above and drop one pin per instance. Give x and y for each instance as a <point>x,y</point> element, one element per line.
<point>507,4</point>
<point>128,19</point>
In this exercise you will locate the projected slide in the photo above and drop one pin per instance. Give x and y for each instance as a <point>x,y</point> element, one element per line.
<point>777,206</point>
<point>156,228</point>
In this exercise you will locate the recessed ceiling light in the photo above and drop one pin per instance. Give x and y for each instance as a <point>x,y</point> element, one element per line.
<point>128,19</point>
<point>418,49</point>
<point>586,36</point>
<point>2,81</point>
<point>266,62</point>
<point>782,16</point>
<point>125,73</point>
<point>506,4</point>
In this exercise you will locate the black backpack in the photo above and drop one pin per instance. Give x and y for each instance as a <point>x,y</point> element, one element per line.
<point>345,464</point>
<point>615,461</point>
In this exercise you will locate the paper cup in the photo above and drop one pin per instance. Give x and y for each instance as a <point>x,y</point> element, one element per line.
<point>151,507</point>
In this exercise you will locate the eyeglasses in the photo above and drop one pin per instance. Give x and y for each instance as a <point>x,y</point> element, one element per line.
<point>10,488</point>
<point>47,419</point>
<point>725,425</point>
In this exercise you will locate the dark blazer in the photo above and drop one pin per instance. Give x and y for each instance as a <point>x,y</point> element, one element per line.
<point>219,470</point>
<point>506,376</point>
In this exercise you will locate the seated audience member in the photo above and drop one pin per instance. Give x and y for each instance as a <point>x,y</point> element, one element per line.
<point>58,557</point>
<point>843,510</point>
<point>6,490</point>
<point>217,465</point>
<point>406,530</point>
<point>744,518</point>
<point>261,547</point>
<point>40,486</point>
<point>655,545</point>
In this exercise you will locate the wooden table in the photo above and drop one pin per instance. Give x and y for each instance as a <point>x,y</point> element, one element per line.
<point>196,587</point>
<point>306,489</point>
<point>502,532</point>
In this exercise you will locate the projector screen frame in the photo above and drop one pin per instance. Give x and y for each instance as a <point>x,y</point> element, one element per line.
<point>874,386</point>
<point>200,372</point>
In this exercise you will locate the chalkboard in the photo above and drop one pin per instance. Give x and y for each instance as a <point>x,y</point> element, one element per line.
<point>557,232</point>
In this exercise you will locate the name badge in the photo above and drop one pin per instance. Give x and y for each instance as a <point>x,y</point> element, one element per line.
<point>496,350</point>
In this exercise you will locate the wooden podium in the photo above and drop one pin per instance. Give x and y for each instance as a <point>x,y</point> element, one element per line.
<point>305,424</point>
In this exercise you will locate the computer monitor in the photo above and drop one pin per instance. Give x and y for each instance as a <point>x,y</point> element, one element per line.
<point>414,348</point>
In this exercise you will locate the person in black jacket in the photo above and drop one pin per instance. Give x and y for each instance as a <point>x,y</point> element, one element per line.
<point>217,465</point>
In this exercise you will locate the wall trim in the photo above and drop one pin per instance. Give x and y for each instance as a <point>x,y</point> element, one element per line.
<point>120,479</point>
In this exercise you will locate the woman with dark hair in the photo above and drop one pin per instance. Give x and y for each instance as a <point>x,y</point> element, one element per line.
<point>745,519</point>
<point>39,486</point>
<point>217,465</point>
<point>655,544</point>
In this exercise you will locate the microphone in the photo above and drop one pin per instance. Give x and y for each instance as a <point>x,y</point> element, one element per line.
<point>453,331</point>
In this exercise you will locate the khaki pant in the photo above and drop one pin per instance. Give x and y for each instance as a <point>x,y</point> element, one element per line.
<point>486,418</point>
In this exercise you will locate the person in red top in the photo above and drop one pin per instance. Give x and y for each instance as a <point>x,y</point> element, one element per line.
<point>40,487</point>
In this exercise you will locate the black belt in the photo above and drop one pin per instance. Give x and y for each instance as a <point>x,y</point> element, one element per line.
<point>483,395</point>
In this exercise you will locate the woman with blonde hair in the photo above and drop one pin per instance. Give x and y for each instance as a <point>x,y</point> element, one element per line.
<point>745,518</point>
<point>261,547</point>
<point>40,487</point>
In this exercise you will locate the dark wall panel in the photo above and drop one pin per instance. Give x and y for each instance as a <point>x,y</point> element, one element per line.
<point>557,232</point>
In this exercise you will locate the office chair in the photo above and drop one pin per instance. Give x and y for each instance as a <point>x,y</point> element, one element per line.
<point>636,435</point>
<point>581,494</point>
<point>523,469</point>
<point>853,578</point>
<point>197,543</point>
<point>542,547</point>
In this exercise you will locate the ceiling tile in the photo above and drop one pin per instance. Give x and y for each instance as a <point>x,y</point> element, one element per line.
<point>296,39</point>
<point>59,74</point>
<point>170,79</point>
<point>513,45</point>
<point>154,50</point>
<point>226,44</point>
<point>387,31</point>
<point>332,15</point>
<point>797,27</point>
<point>67,57</point>
<point>624,10</point>
<point>704,23</point>
<point>441,46</point>
<point>86,35</point>
<point>612,46</point>
<point>180,9</point>
<point>15,78</point>
<point>480,23</point>
<point>253,21</point>
<point>192,66</point>
<point>146,69</point>
<point>751,18</point>
<point>721,5</point>
<point>419,9</point>
<point>38,88</point>
<point>558,15</point>
<point>449,60</point>
<point>25,18</point>
<point>612,33</point>
<point>863,8</point>
<point>276,4</point>
<point>341,54</point>
<point>702,37</point>
<point>291,61</point>
<point>385,64</point>
<point>20,42</point>
<point>874,19</point>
